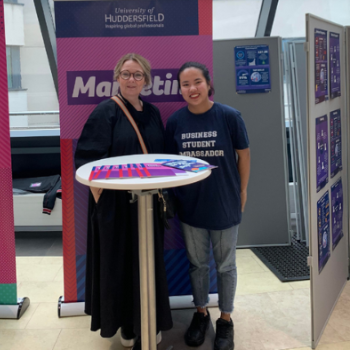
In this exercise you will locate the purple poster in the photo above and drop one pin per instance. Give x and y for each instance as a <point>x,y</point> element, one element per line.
<point>334,64</point>
<point>252,65</point>
<point>337,212</point>
<point>336,149</point>
<point>321,75</point>
<point>321,152</point>
<point>324,251</point>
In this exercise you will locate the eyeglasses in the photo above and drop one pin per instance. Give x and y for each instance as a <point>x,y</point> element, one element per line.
<point>125,74</point>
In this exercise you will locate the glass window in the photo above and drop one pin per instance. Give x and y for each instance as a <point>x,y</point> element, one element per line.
<point>290,15</point>
<point>13,67</point>
<point>9,67</point>
<point>235,18</point>
<point>33,101</point>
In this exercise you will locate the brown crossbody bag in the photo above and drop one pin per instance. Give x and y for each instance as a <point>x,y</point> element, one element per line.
<point>166,203</point>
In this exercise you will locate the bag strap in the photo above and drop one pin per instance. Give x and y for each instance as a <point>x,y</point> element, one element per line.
<point>121,104</point>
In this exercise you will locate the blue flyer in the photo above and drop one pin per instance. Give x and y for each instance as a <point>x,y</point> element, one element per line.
<point>337,212</point>
<point>321,66</point>
<point>323,230</point>
<point>336,149</point>
<point>189,165</point>
<point>334,63</point>
<point>252,64</point>
<point>322,152</point>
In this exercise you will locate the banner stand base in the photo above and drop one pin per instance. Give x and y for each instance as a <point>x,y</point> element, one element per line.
<point>176,302</point>
<point>70,309</point>
<point>15,311</point>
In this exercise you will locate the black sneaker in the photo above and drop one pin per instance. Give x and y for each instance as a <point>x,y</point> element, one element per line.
<point>138,344</point>
<point>224,335</point>
<point>127,336</point>
<point>195,334</point>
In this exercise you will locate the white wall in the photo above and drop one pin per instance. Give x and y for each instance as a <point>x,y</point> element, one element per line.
<point>290,15</point>
<point>238,18</point>
<point>235,18</point>
<point>18,103</point>
<point>14,25</point>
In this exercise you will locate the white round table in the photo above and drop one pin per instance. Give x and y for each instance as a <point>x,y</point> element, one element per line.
<point>143,189</point>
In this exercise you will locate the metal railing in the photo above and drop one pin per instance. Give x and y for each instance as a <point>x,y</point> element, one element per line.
<point>35,120</point>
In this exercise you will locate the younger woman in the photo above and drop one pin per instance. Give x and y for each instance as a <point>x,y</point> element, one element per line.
<point>210,210</point>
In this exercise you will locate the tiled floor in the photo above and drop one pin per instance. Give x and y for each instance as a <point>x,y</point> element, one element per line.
<point>269,315</point>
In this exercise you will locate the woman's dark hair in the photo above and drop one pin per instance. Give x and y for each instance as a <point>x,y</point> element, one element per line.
<point>204,71</point>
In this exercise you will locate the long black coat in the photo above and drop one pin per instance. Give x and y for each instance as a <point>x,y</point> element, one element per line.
<point>112,294</point>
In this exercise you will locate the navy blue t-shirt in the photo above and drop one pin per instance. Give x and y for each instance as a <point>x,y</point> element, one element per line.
<point>213,203</point>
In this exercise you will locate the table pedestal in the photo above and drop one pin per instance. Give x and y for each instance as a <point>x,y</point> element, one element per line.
<point>147,271</point>
<point>143,189</point>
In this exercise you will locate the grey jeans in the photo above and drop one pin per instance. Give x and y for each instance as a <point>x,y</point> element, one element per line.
<point>224,243</point>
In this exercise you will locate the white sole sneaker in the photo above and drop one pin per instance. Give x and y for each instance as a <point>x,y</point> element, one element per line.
<point>159,337</point>
<point>128,343</point>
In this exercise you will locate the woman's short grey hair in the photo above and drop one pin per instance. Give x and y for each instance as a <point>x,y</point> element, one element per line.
<point>145,65</point>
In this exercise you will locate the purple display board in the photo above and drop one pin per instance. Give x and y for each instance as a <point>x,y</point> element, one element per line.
<point>324,251</point>
<point>321,75</point>
<point>91,37</point>
<point>336,149</point>
<point>334,64</point>
<point>337,212</point>
<point>252,65</point>
<point>321,152</point>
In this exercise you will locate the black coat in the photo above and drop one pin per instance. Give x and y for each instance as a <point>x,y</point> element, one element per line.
<point>112,287</point>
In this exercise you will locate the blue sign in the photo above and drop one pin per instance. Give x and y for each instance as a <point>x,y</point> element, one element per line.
<point>252,65</point>
<point>337,212</point>
<point>323,230</point>
<point>124,19</point>
<point>336,147</point>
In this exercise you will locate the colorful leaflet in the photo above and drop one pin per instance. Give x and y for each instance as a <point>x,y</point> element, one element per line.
<point>189,165</point>
<point>92,173</point>
<point>141,170</point>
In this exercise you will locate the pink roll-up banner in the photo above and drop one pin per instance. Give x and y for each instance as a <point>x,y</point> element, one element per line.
<point>10,305</point>
<point>91,37</point>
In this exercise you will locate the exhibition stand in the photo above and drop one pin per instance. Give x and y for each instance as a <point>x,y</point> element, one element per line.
<point>10,305</point>
<point>88,48</point>
<point>249,77</point>
<point>327,167</point>
<point>142,190</point>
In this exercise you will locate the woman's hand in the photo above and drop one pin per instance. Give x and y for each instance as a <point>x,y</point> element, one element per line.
<point>96,192</point>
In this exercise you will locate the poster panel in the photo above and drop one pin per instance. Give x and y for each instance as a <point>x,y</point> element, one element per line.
<point>328,266</point>
<point>337,212</point>
<point>321,74</point>
<point>324,251</point>
<point>334,65</point>
<point>91,37</point>
<point>8,286</point>
<point>322,152</point>
<point>336,147</point>
<point>252,66</point>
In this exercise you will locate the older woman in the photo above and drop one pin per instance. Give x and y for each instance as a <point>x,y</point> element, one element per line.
<point>112,294</point>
